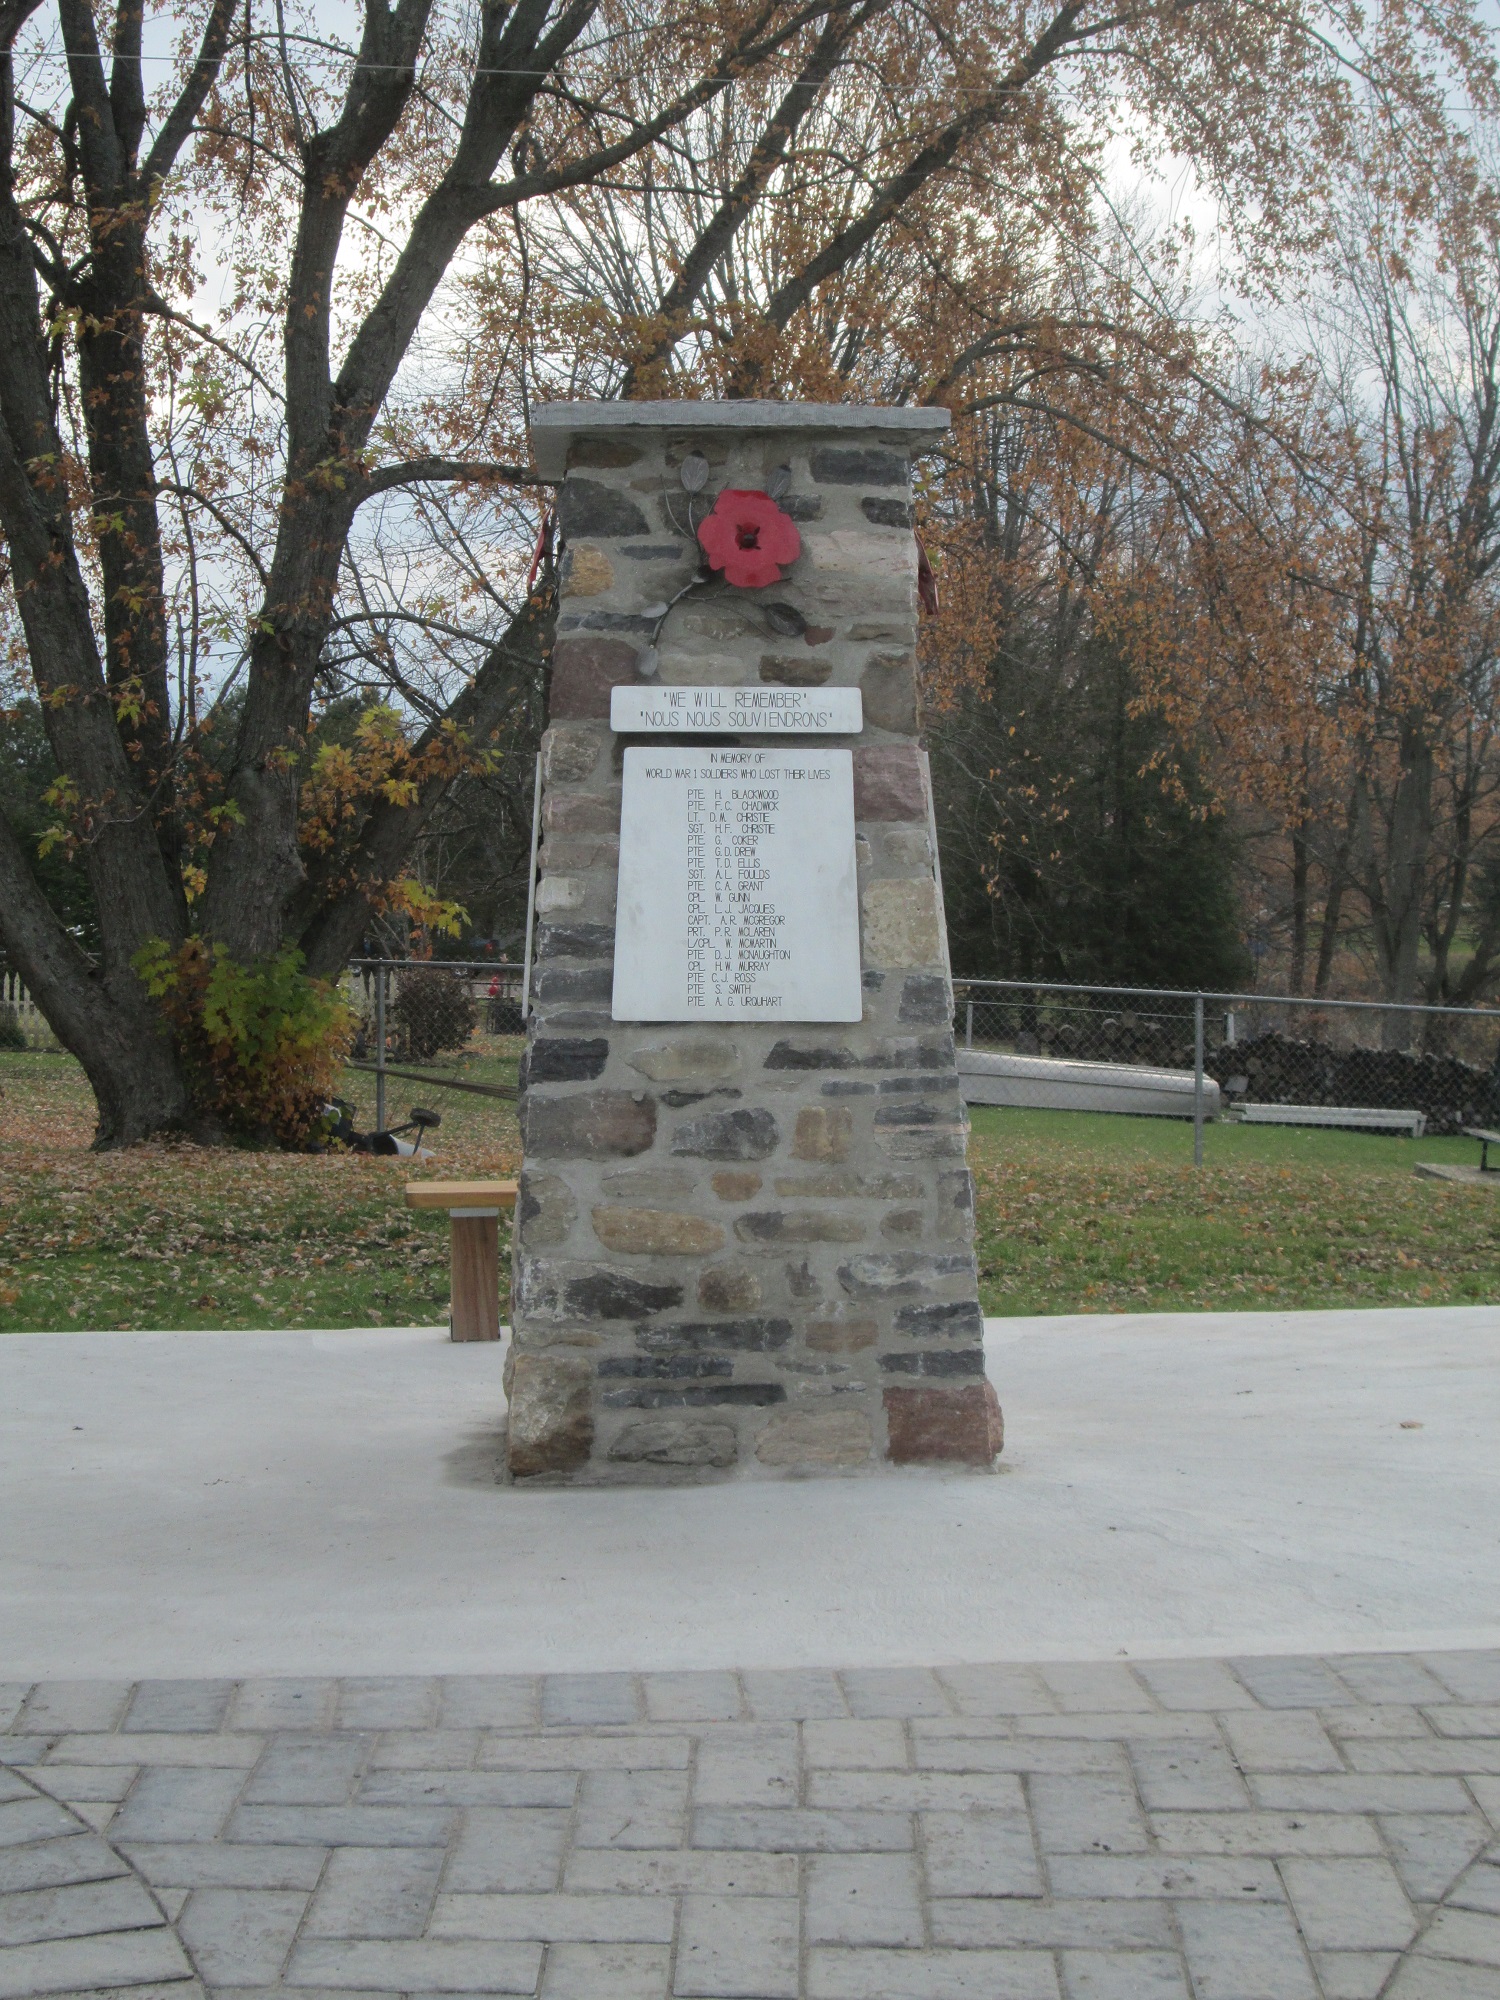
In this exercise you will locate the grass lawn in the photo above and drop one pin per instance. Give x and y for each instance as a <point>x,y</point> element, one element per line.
<point>185,1237</point>
<point>1084,1212</point>
<point>1077,1213</point>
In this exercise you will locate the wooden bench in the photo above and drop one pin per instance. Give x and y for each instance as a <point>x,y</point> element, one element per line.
<point>474,1248</point>
<point>1486,1139</point>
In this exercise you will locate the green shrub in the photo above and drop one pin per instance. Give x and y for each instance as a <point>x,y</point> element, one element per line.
<point>12,1034</point>
<point>263,1045</point>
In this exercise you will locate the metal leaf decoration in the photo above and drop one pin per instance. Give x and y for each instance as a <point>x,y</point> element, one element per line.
<point>694,472</point>
<point>786,619</point>
<point>780,481</point>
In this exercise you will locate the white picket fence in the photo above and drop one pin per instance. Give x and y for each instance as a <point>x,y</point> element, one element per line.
<point>17,1005</point>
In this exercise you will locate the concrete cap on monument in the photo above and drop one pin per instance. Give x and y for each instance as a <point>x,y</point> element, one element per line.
<point>555,426</point>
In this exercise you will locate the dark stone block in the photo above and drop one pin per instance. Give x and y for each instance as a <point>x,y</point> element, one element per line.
<point>665,1367</point>
<point>589,1125</point>
<point>943,1361</point>
<point>888,783</point>
<point>787,1055</point>
<point>957,1189</point>
<point>572,1060</point>
<point>843,1089</point>
<point>792,672</point>
<point>584,671</point>
<point>693,1395</point>
<point>859,465</point>
<point>802,506</point>
<point>728,1135</point>
<point>943,1426</point>
<point>611,1295</point>
<point>872,981</point>
<point>898,1086</point>
<point>909,1115</point>
<point>678,1098</point>
<point>800,1281</point>
<point>575,941</point>
<point>551,983</point>
<point>747,1336</point>
<point>926,1001</point>
<point>889,513</point>
<point>659,551</point>
<point>931,1052</point>
<point>958,1320</point>
<point>587,507</point>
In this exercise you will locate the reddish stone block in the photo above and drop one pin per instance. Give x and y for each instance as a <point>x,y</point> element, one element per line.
<point>580,812</point>
<point>932,1426</point>
<point>888,783</point>
<point>583,672</point>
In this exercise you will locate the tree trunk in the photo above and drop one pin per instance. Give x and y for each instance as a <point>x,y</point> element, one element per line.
<point>112,1027</point>
<point>1299,907</point>
<point>1399,937</point>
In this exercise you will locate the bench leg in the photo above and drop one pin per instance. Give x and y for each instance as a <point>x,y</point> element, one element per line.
<point>474,1311</point>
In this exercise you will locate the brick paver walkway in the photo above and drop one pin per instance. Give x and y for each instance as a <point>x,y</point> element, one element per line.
<point>1262,1829</point>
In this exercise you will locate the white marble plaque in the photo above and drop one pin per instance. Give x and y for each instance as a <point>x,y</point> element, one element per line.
<point>771,711</point>
<point>737,886</point>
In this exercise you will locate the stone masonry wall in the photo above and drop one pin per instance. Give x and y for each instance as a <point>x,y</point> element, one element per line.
<point>741,1247</point>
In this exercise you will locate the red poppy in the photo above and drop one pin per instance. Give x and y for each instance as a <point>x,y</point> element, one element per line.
<point>749,538</point>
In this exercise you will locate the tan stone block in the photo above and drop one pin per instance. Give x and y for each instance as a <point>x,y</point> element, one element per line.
<point>648,1187</point>
<point>907,847</point>
<point>830,1187</point>
<point>551,1414</point>
<point>688,1059</point>
<point>728,1288</point>
<point>675,1441</point>
<point>560,892</point>
<point>815,1437</point>
<point>656,1232</point>
<point>569,753</point>
<point>824,1133</point>
<point>901,924</point>
<point>889,686</point>
<point>589,571</point>
<point>730,1185</point>
<point>861,553</point>
<point>799,1225</point>
<point>842,1336</point>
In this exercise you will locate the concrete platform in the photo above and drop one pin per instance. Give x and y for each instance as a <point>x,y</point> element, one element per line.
<point>1443,1170</point>
<point>311,1503</point>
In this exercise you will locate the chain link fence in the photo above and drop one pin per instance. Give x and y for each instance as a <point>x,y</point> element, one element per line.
<point>1268,1059</point>
<point>451,1024</point>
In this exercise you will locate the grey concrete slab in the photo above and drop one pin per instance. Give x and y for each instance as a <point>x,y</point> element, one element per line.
<point>1175,1486</point>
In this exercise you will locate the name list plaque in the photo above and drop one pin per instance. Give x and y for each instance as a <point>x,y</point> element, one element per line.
<point>761,711</point>
<point>737,895</point>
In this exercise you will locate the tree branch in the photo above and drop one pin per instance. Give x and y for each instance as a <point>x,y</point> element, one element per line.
<point>414,471</point>
<point>178,123</point>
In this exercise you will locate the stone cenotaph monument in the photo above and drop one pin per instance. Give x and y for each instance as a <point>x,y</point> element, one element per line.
<point>744,1237</point>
